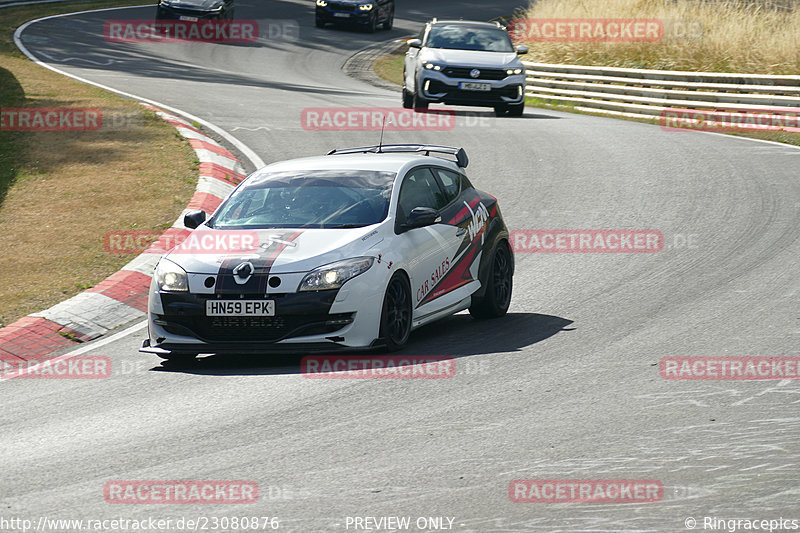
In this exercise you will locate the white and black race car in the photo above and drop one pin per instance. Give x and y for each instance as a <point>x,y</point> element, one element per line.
<point>352,250</point>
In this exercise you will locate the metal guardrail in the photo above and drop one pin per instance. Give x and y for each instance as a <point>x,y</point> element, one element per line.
<point>648,93</point>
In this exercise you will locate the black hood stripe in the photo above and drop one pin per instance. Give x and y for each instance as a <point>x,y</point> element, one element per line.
<point>257,284</point>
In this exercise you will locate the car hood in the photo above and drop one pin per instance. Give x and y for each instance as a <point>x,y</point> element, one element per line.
<point>470,58</point>
<point>281,251</point>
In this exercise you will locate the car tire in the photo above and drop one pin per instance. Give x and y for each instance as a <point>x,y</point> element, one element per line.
<point>516,110</point>
<point>408,99</point>
<point>396,313</point>
<point>419,103</point>
<point>389,21</point>
<point>319,23</point>
<point>499,283</point>
<point>500,110</point>
<point>372,26</point>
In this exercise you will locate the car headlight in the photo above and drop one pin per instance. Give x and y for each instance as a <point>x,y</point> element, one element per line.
<point>334,275</point>
<point>170,277</point>
<point>431,66</point>
<point>366,7</point>
<point>513,71</point>
<point>322,3</point>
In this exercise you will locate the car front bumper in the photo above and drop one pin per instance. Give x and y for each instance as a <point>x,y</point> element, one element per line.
<point>434,86</point>
<point>331,320</point>
<point>173,13</point>
<point>343,14</point>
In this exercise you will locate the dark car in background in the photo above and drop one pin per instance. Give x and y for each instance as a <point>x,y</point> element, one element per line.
<point>194,10</point>
<point>367,14</point>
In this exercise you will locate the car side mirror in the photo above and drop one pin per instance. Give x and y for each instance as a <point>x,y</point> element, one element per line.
<point>419,217</point>
<point>192,219</point>
<point>414,43</point>
<point>522,50</point>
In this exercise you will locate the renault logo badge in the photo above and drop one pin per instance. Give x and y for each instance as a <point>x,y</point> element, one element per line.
<point>243,272</point>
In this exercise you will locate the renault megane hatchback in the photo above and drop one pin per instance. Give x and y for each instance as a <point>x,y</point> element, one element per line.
<point>352,250</point>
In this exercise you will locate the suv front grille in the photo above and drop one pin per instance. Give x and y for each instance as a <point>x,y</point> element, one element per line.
<point>485,73</point>
<point>335,6</point>
<point>452,93</point>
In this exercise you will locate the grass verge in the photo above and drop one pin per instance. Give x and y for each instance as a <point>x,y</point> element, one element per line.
<point>60,192</point>
<point>390,67</point>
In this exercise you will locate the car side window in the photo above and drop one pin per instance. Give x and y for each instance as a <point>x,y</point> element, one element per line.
<point>451,181</point>
<point>420,190</point>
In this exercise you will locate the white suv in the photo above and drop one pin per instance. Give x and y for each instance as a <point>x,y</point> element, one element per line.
<point>460,62</point>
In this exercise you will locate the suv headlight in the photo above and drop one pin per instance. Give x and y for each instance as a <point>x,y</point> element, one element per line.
<point>517,70</point>
<point>170,277</point>
<point>334,275</point>
<point>322,3</point>
<point>366,7</point>
<point>431,66</point>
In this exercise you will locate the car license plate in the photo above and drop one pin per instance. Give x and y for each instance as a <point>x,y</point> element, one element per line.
<point>188,19</point>
<point>240,307</point>
<point>473,86</point>
<point>343,15</point>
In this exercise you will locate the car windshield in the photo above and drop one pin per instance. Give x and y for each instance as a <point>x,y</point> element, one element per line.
<point>308,199</point>
<point>458,37</point>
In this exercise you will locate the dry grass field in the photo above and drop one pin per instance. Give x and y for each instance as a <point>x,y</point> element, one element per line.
<point>755,36</point>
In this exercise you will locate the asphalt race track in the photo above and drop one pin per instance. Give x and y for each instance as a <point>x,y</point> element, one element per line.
<point>567,386</point>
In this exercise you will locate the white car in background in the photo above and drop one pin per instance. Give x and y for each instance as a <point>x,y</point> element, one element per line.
<point>460,62</point>
<point>355,249</point>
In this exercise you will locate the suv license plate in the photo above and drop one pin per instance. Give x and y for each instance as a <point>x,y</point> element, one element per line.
<point>343,15</point>
<point>240,307</point>
<point>473,86</point>
<point>188,19</point>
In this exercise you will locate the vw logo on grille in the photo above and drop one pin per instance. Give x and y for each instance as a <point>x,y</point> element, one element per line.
<point>474,73</point>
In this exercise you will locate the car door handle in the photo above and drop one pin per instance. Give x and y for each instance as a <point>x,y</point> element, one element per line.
<point>460,232</point>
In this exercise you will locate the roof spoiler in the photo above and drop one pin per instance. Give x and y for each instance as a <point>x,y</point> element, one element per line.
<point>461,156</point>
